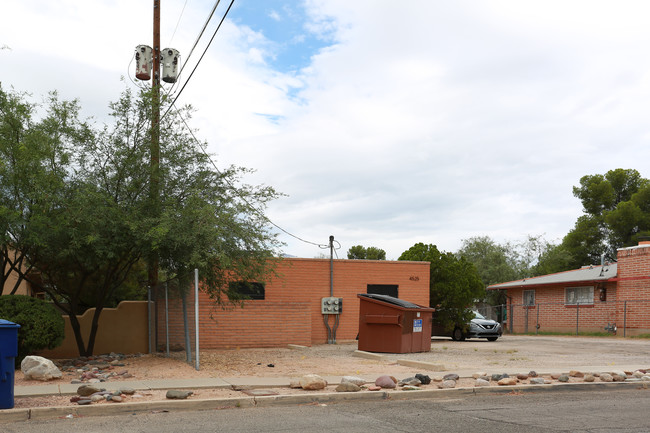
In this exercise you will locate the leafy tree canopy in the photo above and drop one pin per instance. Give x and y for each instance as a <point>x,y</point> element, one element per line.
<point>360,252</point>
<point>616,211</point>
<point>455,283</point>
<point>75,203</point>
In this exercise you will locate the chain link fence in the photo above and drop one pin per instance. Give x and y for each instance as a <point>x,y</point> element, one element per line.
<point>624,318</point>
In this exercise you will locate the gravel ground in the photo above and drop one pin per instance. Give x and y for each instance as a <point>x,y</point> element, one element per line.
<point>511,354</point>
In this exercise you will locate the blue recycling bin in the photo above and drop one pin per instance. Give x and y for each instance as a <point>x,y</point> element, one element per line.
<point>8,353</point>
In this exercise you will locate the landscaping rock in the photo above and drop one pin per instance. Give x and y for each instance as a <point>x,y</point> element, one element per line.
<point>507,381</point>
<point>312,382</point>
<point>178,394</point>
<point>450,376</point>
<point>481,382</point>
<point>411,388</point>
<point>385,382</point>
<point>522,376</point>
<point>447,384</point>
<point>352,379</point>
<point>563,378</point>
<point>589,378</point>
<point>537,381</point>
<point>606,377</point>
<point>423,378</point>
<point>87,390</point>
<point>576,373</point>
<point>348,387</point>
<point>39,368</point>
<point>410,381</point>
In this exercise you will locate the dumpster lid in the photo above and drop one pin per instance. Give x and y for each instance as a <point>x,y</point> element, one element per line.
<point>390,300</point>
<point>8,324</point>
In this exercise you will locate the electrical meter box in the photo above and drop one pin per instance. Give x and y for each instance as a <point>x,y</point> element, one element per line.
<point>331,305</point>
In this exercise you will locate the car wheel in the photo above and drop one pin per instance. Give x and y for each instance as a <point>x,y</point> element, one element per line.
<point>492,338</point>
<point>457,335</point>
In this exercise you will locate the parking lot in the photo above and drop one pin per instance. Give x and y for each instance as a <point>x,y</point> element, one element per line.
<point>538,353</point>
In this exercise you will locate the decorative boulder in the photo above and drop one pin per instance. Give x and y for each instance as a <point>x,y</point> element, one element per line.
<point>352,379</point>
<point>385,382</point>
<point>178,394</point>
<point>347,387</point>
<point>410,381</point>
<point>312,382</point>
<point>423,378</point>
<point>39,368</point>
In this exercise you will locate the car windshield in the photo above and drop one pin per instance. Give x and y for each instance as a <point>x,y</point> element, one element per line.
<point>478,315</point>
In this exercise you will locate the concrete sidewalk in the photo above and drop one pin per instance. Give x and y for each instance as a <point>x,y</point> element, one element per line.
<point>307,397</point>
<point>268,382</point>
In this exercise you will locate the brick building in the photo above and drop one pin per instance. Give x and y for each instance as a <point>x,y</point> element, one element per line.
<point>287,309</point>
<point>588,299</point>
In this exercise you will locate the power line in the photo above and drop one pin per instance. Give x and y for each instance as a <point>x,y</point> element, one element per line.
<point>214,8</point>
<point>253,208</point>
<point>177,23</point>
<point>200,58</point>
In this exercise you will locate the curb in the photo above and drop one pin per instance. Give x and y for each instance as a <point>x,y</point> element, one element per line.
<point>44,413</point>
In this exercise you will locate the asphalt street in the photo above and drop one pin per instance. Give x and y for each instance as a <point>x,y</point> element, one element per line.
<point>561,410</point>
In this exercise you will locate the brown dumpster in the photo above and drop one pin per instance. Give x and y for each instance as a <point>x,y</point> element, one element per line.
<point>392,325</point>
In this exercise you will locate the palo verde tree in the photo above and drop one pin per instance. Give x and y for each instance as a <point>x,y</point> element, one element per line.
<point>94,228</point>
<point>454,283</point>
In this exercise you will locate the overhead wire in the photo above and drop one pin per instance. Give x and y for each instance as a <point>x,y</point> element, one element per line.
<point>177,23</point>
<point>236,191</point>
<point>200,59</point>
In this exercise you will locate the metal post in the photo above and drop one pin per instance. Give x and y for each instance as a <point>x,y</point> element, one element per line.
<point>512,310</point>
<point>167,318</point>
<point>577,316</point>
<point>196,317</point>
<point>149,316</point>
<point>537,324</point>
<point>526,327</point>
<point>624,317</point>
<point>331,265</point>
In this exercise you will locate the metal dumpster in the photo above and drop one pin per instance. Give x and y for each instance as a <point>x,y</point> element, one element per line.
<point>392,325</point>
<point>8,353</point>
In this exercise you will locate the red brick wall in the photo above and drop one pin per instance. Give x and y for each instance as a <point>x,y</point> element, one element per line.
<point>290,312</point>
<point>634,287</point>
<point>552,315</point>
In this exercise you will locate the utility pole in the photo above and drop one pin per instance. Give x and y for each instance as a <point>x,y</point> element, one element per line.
<point>148,67</point>
<point>154,181</point>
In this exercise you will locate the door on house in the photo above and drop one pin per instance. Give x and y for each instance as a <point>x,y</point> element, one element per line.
<point>383,289</point>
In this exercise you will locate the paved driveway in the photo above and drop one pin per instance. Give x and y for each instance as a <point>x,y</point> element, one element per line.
<point>540,353</point>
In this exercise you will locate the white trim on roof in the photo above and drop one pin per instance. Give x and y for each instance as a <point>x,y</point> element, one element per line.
<point>589,273</point>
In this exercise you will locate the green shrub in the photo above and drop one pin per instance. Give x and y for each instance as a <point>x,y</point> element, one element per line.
<point>41,325</point>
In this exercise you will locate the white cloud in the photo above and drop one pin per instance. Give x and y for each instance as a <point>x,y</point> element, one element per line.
<point>421,121</point>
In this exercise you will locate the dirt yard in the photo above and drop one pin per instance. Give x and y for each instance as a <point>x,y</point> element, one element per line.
<point>511,354</point>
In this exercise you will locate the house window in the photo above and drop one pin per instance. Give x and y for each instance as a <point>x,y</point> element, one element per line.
<point>383,289</point>
<point>581,295</point>
<point>529,298</point>
<point>248,290</point>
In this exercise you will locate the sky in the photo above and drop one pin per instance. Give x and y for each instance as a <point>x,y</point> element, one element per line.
<point>384,123</point>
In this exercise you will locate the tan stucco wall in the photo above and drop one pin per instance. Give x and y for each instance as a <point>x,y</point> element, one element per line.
<point>122,330</point>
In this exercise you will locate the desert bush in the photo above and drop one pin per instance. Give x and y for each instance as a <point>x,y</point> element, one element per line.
<point>41,325</point>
